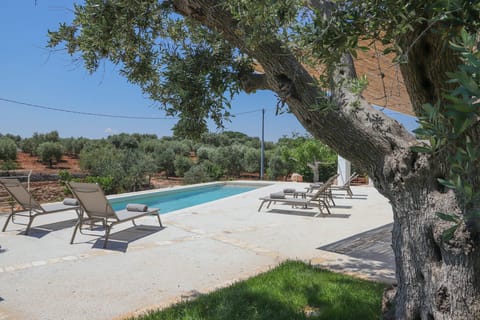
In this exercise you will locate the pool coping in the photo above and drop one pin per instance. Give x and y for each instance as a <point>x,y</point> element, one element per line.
<point>132,196</point>
<point>173,189</point>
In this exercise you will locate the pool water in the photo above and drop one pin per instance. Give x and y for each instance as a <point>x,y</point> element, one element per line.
<point>175,200</point>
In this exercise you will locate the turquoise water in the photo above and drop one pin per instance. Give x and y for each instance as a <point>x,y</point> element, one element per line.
<point>176,200</point>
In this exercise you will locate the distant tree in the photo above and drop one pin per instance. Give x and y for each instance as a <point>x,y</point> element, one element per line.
<point>182,164</point>
<point>30,145</point>
<point>140,137</point>
<point>138,168</point>
<point>73,146</point>
<point>101,159</point>
<point>230,158</point>
<point>50,152</point>
<point>215,139</point>
<point>8,149</point>
<point>197,174</point>
<point>304,155</point>
<point>182,147</point>
<point>251,160</point>
<point>149,145</point>
<point>15,138</point>
<point>164,159</point>
<point>124,141</point>
<point>277,167</point>
<point>8,165</point>
<point>52,136</point>
<point>204,153</point>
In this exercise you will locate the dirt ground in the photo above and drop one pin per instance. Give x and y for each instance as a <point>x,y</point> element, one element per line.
<point>27,162</point>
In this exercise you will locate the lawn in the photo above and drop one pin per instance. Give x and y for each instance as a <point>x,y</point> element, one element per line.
<point>293,290</point>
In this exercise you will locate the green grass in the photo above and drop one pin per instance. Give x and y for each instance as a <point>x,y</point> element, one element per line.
<point>284,293</point>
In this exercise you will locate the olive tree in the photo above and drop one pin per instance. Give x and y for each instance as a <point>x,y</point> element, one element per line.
<point>48,152</point>
<point>251,159</point>
<point>8,149</point>
<point>192,55</point>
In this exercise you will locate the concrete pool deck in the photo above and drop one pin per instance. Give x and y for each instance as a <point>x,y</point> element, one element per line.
<point>199,249</point>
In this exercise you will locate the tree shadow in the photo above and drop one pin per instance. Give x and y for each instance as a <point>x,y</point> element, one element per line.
<point>373,246</point>
<point>374,270</point>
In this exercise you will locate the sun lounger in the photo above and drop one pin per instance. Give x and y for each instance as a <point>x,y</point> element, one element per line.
<point>317,199</point>
<point>346,185</point>
<point>328,191</point>
<point>29,207</point>
<point>317,185</point>
<point>97,208</point>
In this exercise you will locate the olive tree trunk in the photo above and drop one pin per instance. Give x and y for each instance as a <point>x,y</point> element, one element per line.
<point>436,279</point>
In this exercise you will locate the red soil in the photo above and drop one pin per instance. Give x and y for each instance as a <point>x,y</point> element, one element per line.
<point>26,162</point>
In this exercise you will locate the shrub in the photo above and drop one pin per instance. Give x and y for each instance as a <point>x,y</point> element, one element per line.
<point>8,165</point>
<point>197,174</point>
<point>182,164</point>
<point>106,182</point>
<point>8,149</point>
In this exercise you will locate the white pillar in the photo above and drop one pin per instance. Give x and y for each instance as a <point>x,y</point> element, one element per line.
<point>343,169</point>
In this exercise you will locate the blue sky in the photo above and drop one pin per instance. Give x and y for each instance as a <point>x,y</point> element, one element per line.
<point>34,74</point>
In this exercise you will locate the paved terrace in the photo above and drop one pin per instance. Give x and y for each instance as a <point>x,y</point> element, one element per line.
<point>199,249</point>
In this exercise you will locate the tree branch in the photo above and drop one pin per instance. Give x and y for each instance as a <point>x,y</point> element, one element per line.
<point>253,81</point>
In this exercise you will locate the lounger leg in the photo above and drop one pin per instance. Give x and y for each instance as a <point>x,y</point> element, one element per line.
<point>326,207</point>
<point>330,196</point>
<point>29,224</point>
<point>8,220</point>
<point>134,224</point>
<point>107,234</point>
<point>159,220</point>
<point>75,231</point>
<point>261,205</point>
<point>350,193</point>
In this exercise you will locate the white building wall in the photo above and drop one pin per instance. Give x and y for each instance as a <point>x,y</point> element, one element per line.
<point>343,169</point>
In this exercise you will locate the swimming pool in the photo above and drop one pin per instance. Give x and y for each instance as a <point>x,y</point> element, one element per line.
<point>171,200</point>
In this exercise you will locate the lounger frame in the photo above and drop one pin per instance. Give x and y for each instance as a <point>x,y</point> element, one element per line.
<point>96,208</point>
<point>30,208</point>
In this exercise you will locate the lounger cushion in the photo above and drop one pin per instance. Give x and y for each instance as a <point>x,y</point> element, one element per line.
<point>138,207</point>
<point>125,215</point>
<point>277,195</point>
<point>70,202</point>
<point>289,190</point>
